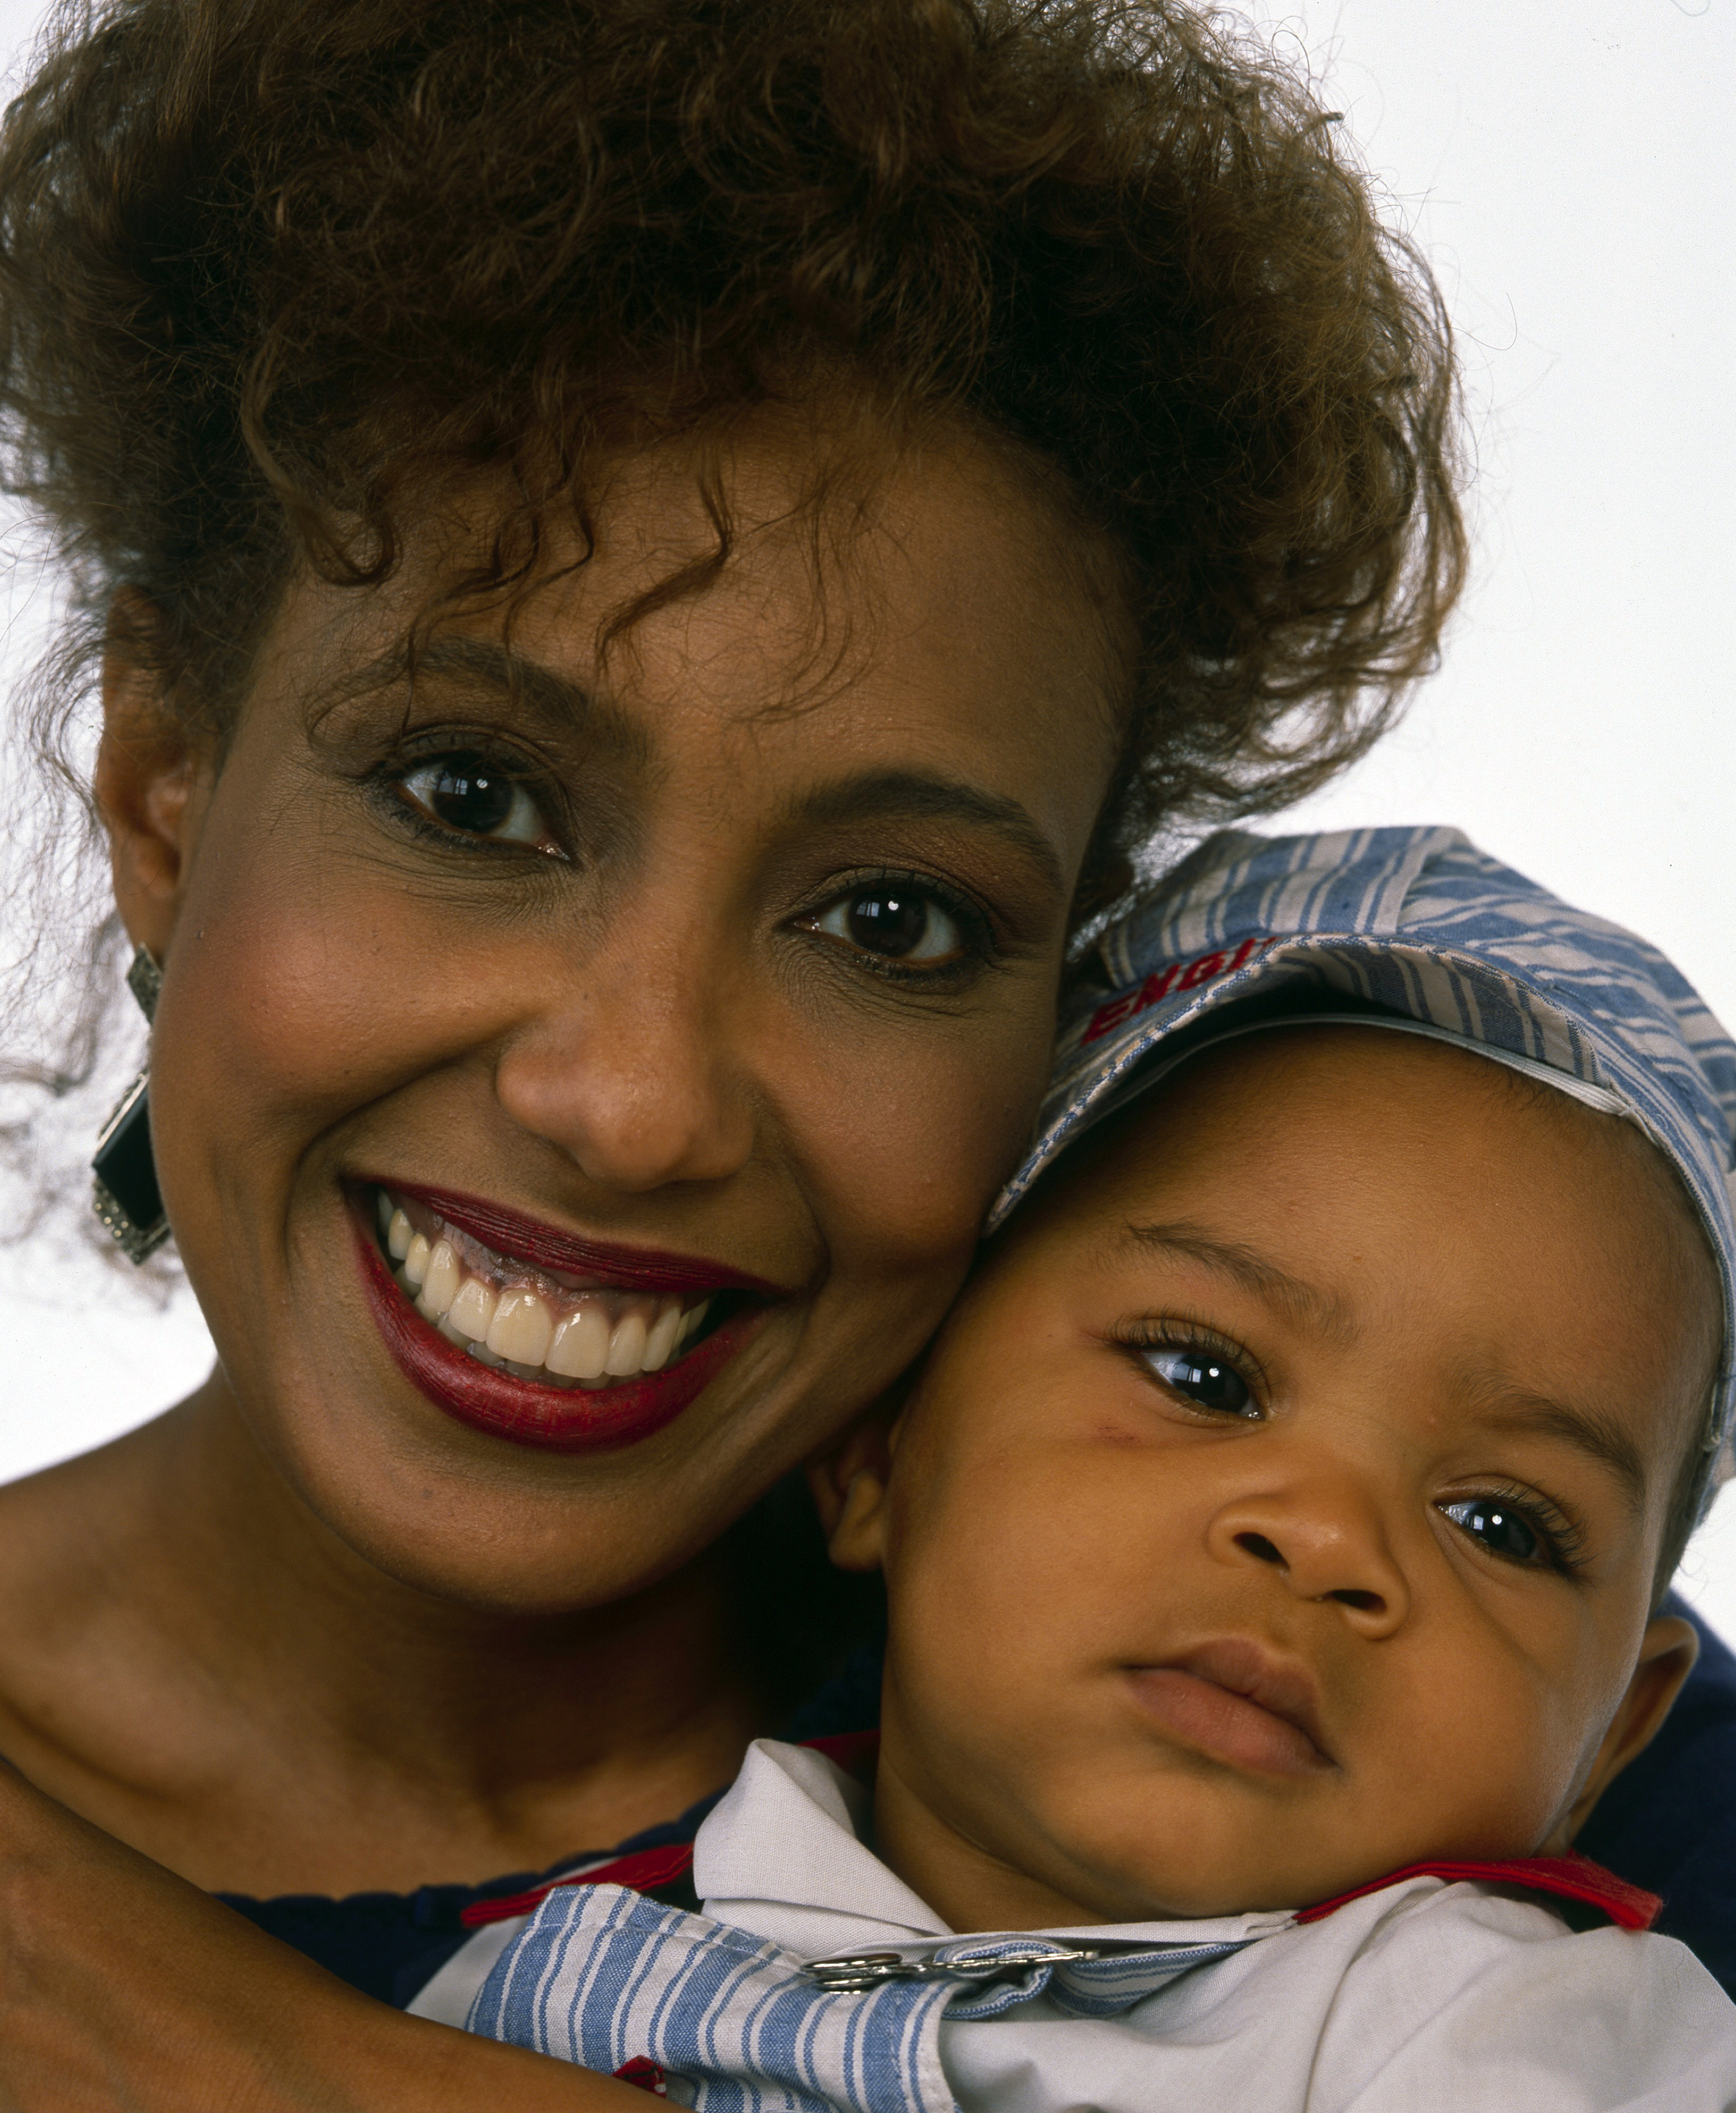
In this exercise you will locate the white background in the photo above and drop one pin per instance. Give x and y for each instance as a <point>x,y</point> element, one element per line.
<point>1569,170</point>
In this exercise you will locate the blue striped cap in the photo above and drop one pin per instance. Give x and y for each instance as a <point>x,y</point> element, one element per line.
<point>1423,925</point>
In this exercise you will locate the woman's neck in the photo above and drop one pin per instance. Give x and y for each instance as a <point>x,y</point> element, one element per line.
<point>197,1663</point>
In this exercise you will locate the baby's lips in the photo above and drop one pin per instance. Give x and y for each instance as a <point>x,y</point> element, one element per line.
<point>1233,1698</point>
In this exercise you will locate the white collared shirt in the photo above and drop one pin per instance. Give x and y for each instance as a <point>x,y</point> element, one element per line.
<point>1426,1997</point>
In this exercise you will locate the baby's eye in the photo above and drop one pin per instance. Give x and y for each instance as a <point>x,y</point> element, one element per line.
<point>898,923</point>
<point>1501,1530</point>
<point>474,795</point>
<point>1199,1377</point>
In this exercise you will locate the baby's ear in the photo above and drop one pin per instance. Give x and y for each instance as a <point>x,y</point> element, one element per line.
<point>849,1482</point>
<point>1667,1657</point>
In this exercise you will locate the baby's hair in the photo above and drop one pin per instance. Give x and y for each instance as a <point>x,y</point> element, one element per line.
<point>272,271</point>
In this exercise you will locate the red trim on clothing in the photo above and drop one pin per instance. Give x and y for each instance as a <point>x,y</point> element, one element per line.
<point>642,1873</point>
<point>645,2075</point>
<point>855,1752</point>
<point>1573,1877</point>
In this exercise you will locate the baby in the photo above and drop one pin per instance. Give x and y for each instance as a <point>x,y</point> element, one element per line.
<point>1273,1541</point>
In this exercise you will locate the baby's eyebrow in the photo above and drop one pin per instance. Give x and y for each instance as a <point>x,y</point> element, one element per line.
<point>1306,1305</point>
<point>1600,1438</point>
<point>1502,1407</point>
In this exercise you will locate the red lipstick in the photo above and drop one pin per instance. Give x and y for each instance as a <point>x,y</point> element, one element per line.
<point>635,1269</point>
<point>527,1412</point>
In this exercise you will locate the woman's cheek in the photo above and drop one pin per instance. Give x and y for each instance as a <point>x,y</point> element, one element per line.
<point>307,979</point>
<point>277,1022</point>
<point>908,1159</point>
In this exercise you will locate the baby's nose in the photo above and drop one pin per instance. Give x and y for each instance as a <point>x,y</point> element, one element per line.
<point>1325,1544</point>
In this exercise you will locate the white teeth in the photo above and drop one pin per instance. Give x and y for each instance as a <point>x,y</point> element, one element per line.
<point>626,1346</point>
<point>580,1349</point>
<point>661,1339</point>
<point>440,1286</point>
<point>472,1310</point>
<point>522,1328</point>
<point>533,1334</point>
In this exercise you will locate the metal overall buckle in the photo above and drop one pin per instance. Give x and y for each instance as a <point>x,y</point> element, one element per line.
<point>848,1973</point>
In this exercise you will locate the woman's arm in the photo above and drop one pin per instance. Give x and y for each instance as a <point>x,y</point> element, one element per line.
<point>124,1987</point>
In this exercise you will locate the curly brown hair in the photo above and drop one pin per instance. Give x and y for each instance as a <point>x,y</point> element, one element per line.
<point>268,267</point>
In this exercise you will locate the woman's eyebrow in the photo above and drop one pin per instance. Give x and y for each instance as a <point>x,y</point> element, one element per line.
<point>551,696</point>
<point>1305,1303</point>
<point>548,693</point>
<point>916,796</point>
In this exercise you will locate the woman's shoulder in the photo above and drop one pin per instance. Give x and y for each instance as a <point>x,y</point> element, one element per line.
<point>98,1706</point>
<point>72,1547</point>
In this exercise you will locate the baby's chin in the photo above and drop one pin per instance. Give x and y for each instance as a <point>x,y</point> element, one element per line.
<point>1204,1851</point>
<point>1185,1890</point>
<point>1110,1880</point>
<point>1181,1892</point>
<point>1087,1831</point>
<point>1136,1873</point>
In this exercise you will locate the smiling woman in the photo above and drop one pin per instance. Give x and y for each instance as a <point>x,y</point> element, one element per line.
<point>651,990</point>
<point>648,567</point>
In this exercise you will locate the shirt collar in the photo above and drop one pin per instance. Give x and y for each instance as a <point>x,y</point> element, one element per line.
<point>784,1856</point>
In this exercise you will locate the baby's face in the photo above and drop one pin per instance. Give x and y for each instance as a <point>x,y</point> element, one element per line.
<point>1281,1505</point>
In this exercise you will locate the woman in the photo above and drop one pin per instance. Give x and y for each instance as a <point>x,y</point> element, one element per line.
<point>649,564</point>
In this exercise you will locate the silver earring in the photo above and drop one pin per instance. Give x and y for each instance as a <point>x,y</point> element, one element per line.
<point>125,1196</point>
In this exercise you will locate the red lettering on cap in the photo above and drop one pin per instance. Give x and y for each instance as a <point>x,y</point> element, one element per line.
<point>1107,1016</point>
<point>1200,970</point>
<point>1155,987</point>
<point>1178,976</point>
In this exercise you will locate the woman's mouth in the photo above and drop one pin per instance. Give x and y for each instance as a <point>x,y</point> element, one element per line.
<point>538,1336</point>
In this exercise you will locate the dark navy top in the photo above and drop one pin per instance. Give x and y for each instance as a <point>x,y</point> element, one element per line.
<point>1668,1823</point>
<point>391,1945</point>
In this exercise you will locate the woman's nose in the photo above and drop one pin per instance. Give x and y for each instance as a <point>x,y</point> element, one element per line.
<point>1326,1542</point>
<point>638,1072</point>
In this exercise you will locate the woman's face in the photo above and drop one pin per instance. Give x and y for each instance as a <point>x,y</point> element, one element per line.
<point>725,963</point>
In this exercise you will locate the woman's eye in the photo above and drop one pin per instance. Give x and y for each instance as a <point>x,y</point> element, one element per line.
<point>899,924</point>
<point>1203,1379</point>
<point>1501,1530</point>
<point>476,796</point>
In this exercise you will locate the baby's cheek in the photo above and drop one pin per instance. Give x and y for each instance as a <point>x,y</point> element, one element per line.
<point>1477,1761</point>
<point>994,1652</point>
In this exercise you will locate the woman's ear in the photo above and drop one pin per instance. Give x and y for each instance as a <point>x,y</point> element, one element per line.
<point>849,1483</point>
<point>147,782</point>
<point>1667,1657</point>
